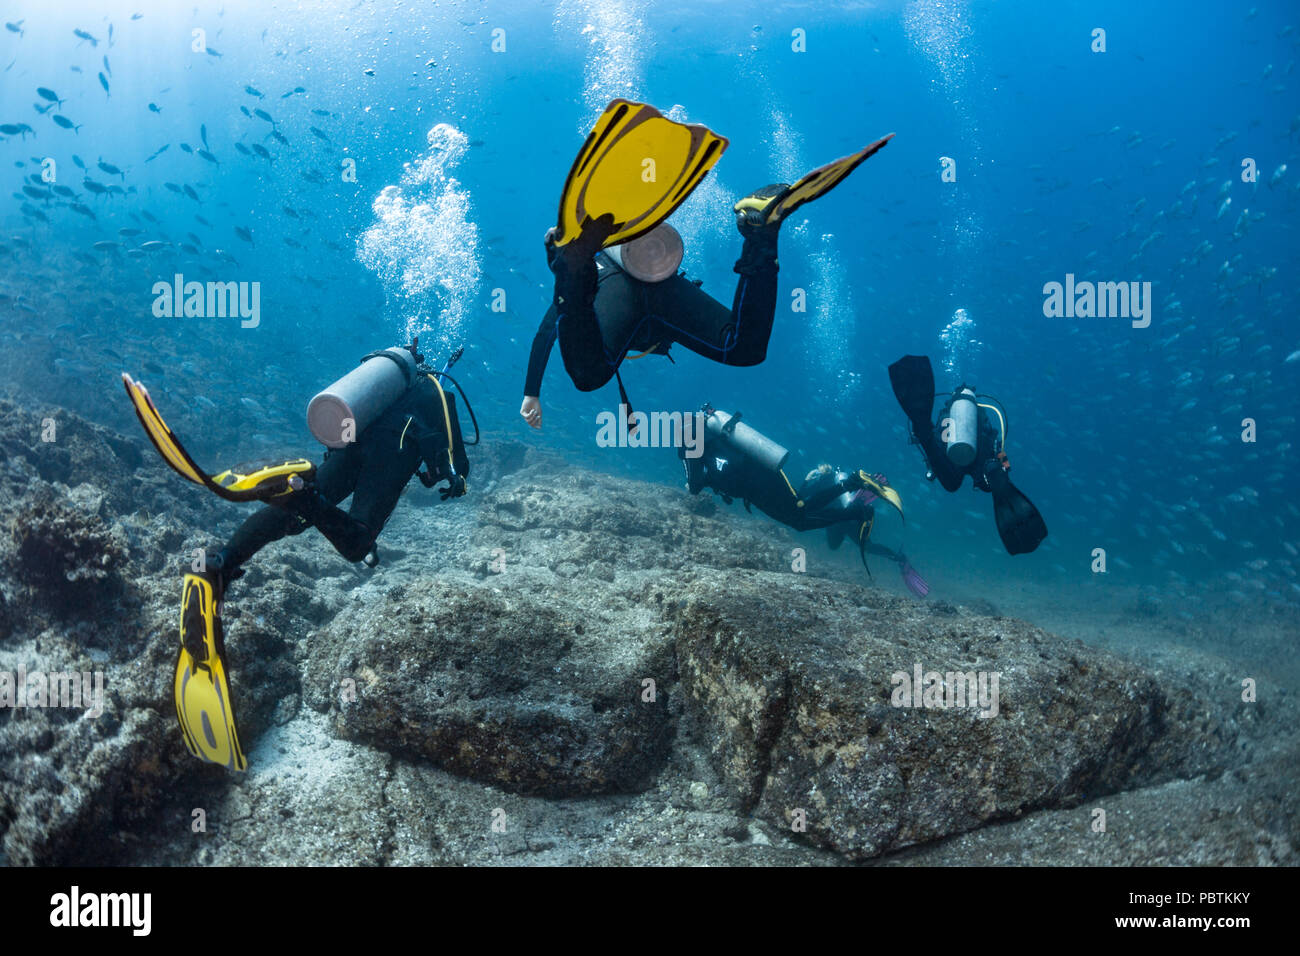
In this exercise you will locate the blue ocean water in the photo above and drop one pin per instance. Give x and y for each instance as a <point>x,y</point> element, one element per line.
<point>460,121</point>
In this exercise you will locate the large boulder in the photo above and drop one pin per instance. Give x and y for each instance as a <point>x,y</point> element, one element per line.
<point>538,694</point>
<point>791,683</point>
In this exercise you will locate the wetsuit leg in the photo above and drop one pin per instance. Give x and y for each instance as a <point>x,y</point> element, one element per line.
<point>936,455</point>
<point>596,334</point>
<point>385,472</point>
<point>576,324</point>
<point>702,324</point>
<point>335,479</point>
<point>597,323</point>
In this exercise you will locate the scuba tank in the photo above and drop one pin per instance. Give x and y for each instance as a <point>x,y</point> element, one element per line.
<point>749,442</point>
<point>360,396</point>
<point>651,257</point>
<point>963,431</point>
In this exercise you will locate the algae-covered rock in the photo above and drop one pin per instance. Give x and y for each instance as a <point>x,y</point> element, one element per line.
<point>65,549</point>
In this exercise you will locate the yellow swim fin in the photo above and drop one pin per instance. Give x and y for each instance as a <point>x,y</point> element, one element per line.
<point>260,481</point>
<point>203,705</point>
<point>883,491</point>
<point>637,165</point>
<point>810,186</point>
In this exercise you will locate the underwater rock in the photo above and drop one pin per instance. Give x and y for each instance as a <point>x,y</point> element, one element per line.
<point>538,694</point>
<point>500,652</point>
<point>61,446</point>
<point>792,684</point>
<point>78,787</point>
<point>64,549</point>
<point>576,522</point>
<point>1246,817</point>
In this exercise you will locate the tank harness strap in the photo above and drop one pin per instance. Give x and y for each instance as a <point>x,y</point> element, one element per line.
<point>446,417</point>
<point>1002,419</point>
<point>798,502</point>
<point>652,350</point>
<point>384,353</point>
<point>627,403</point>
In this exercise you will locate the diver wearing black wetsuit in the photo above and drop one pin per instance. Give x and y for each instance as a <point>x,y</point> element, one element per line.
<point>824,499</point>
<point>600,313</point>
<point>981,449</point>
<point>374,470</point>
<point>827,498</point>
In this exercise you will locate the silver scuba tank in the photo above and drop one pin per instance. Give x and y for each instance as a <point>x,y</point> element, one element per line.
<point>653,257</point>
<point>753,444</point>
<point>341,412</point>
<point>962,428</point>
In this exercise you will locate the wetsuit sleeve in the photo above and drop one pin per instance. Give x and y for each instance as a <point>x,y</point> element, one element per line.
<point>822,498</point>
<point>543,342</point>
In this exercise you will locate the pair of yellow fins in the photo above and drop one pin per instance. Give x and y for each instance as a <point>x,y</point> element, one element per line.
<point>201,685</point>
<point>639,166</point>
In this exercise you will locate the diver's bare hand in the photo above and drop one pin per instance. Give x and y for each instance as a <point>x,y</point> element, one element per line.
<point>531,409</point>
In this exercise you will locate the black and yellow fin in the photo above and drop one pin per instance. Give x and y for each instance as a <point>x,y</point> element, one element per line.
<point>203,704</point>
<point>637,165</point>
<point>883,491</point>
<point>265,480</point>
<point>260,481</point>
<point>810,186</point>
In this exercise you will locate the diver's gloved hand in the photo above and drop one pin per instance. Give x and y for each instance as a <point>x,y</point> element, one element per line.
<point>455,488</point>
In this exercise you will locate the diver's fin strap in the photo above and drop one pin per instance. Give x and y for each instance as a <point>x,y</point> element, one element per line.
<point>266,481</point>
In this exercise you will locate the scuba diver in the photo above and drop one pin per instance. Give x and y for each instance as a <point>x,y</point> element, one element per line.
<point>617,285</point>
<point>964,442</point>
<point>739,462</point>
<point>381,422</point>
